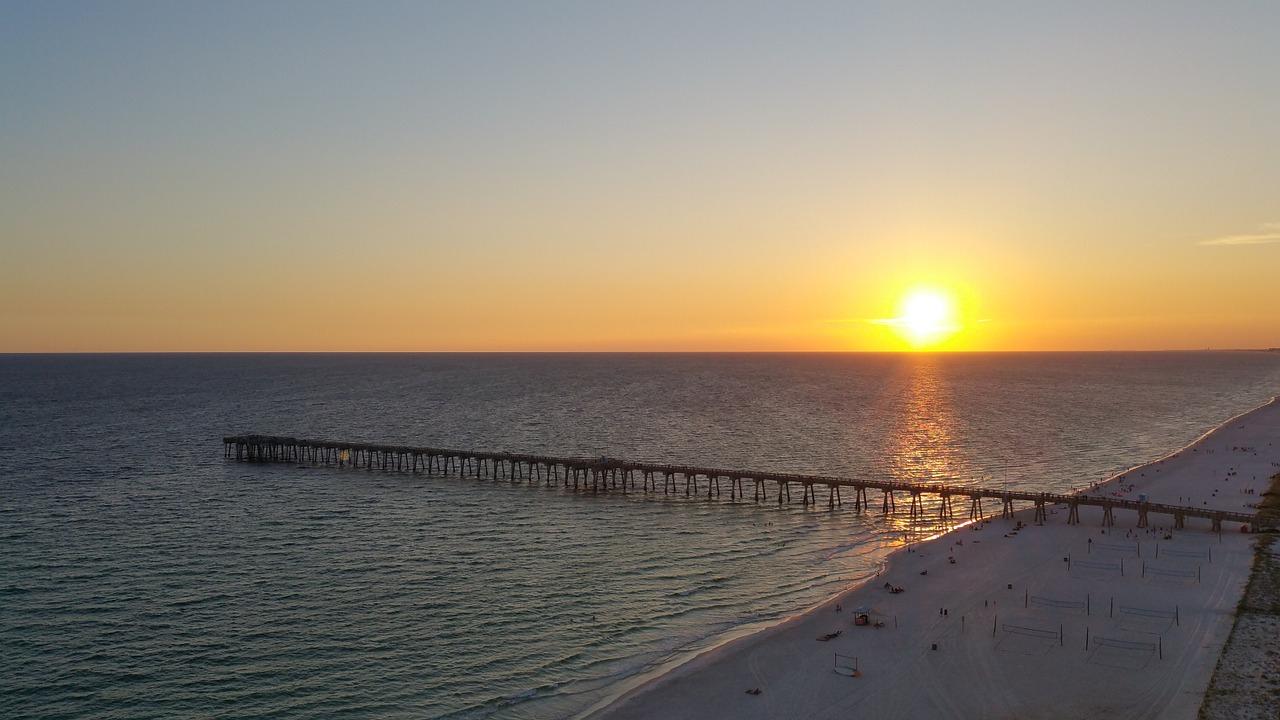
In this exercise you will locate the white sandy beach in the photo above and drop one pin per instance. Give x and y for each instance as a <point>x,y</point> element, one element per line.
<point>999,654</point>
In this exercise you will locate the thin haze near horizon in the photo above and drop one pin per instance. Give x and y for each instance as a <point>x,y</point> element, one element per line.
<point>652,176</point>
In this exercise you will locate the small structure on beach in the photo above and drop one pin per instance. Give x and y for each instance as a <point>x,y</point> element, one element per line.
<point>846,665</point>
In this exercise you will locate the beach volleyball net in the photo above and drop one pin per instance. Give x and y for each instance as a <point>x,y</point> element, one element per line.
<point>1031,631</point>
<point>1147,647</point>
<point>1149,615</point>
<point>1205,554</point>
<point>1171,573</point>
<point>1133,549</point>
<point>1051,603</point>
<point>846,665</point>
<point>1022,639</point>
<point>1107,567</point>
<point>1139,647</point>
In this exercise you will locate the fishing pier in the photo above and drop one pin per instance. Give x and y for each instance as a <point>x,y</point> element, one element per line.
<point>613,475</point>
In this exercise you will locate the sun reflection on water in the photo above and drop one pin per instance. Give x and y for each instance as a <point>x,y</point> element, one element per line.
<point>923,446</point>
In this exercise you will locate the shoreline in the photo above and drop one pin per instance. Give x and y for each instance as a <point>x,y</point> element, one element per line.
<point>674,671</point>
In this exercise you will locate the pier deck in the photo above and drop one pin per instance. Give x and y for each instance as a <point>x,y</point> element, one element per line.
<point>611,474</point>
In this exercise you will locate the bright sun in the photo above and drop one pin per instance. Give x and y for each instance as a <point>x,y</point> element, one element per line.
<point>925,317</point>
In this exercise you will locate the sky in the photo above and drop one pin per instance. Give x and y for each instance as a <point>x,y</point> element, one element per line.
<point>250,176</point>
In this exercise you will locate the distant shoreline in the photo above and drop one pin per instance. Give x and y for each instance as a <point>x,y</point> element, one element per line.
<point>242,353</point>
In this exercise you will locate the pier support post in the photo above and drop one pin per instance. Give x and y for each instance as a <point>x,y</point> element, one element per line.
<point>945,511</point>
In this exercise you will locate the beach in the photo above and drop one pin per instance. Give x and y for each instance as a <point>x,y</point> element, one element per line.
<point>1005,618</point>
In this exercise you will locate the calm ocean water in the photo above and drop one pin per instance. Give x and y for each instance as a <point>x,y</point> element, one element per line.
<point>144,577</point>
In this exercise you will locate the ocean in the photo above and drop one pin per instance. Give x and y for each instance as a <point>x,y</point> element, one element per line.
<point>144,576</point>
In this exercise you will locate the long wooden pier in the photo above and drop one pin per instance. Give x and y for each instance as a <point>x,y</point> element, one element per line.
<point>609,475</point>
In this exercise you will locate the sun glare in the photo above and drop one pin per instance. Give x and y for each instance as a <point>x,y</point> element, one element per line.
<point>926,317</point>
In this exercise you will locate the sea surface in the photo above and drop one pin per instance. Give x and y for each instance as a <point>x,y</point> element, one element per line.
<point>143,576</point>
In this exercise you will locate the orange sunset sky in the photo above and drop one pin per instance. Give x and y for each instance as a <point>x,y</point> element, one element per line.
<point>653,177</point>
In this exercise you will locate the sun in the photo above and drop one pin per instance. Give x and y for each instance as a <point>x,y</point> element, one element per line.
<point>926,316</point>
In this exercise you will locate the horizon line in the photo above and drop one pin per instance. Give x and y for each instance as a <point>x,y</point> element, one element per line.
<point>629,352</point>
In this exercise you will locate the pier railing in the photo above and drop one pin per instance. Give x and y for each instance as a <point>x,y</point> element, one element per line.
<point>611,474</point>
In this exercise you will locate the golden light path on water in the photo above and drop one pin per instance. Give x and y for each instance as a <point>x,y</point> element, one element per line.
<point>922,444</point>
